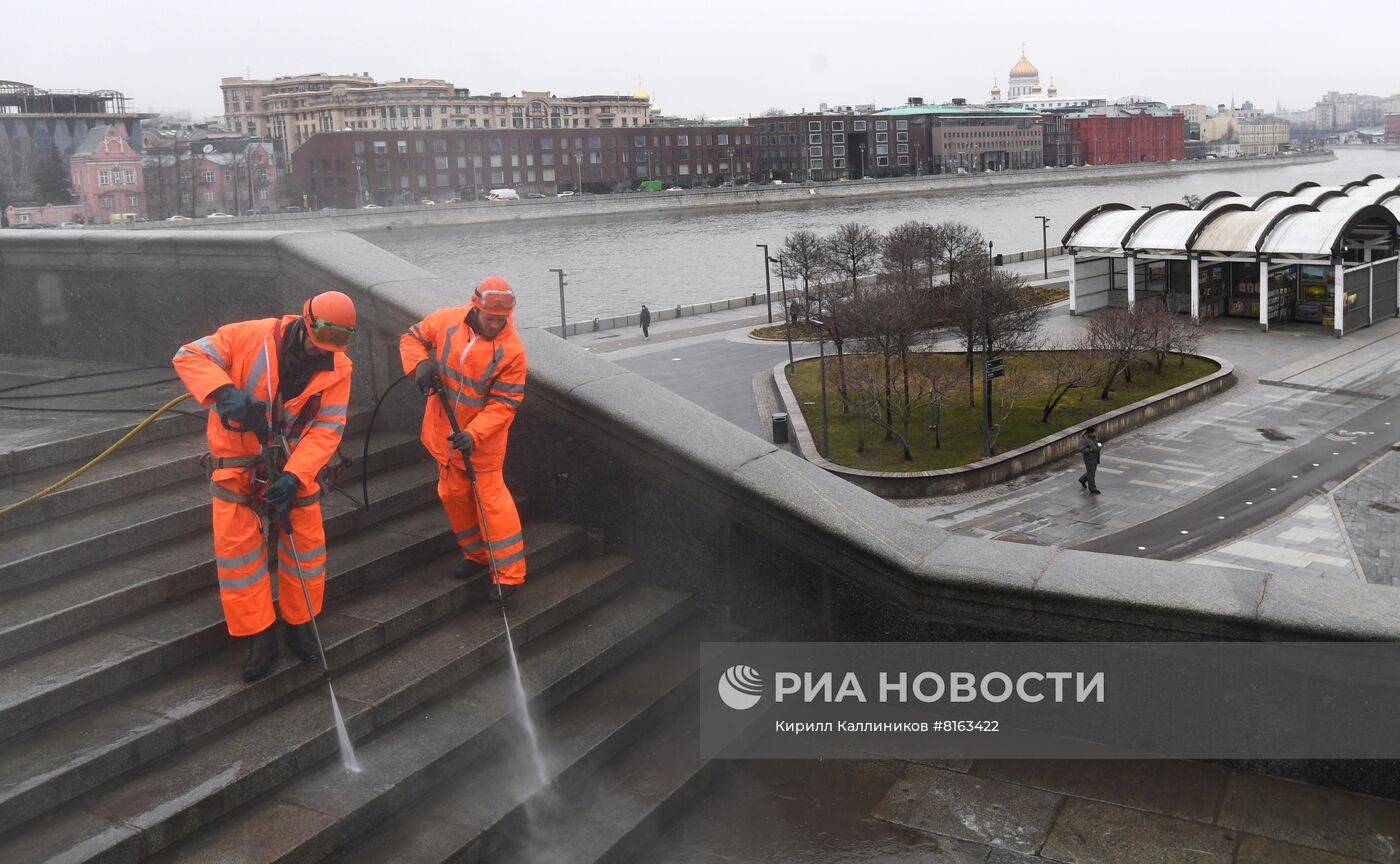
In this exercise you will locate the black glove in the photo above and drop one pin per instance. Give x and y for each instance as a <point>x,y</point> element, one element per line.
<point>462,442</point>
<point>240,412</point>
<point>425,376</point>
<point>280,493</point>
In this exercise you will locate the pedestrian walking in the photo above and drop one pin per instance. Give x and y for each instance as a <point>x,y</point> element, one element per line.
<point>1091,448</point>
<point>646,321</point>
<point>475,353</point>
<point>284,381</point>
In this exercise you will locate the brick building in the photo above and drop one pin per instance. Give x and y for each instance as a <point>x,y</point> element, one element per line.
<point>389,167</point>
<point>108,176</point>
<point>912,140</point>
<point>1392,128</point>
<point>1122,137</point>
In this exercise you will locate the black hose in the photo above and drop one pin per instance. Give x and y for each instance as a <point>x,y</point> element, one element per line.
<point>80,376</point>
<point>369,431</point>
<point>82,392</point>
<point>40,410</point>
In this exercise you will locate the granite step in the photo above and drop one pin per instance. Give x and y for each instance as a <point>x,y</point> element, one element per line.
<point>141,464</point>
<point>134,521</point>
<point>620,752</point>
<point>62,607</point>
<point>177,669</point>
<point>467,738</point>
<point>183,791</point>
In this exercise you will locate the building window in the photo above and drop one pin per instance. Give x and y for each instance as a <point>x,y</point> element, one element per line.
<point>132,200</point>
<point>381,147</point>
<point>882,161</point>
<point>901,124</point>
<point>184,176</point>
<point>723,141</point>
<point>403,147</point>
<point>814,125</point>
<point>838,125</point>
<point>359,148</point>
<point>814,138</point>
<point>838,151</point>
<point>882,124</point>
<point>882,137</point>
<point>439,146</point>
<point>815,164</point>
<point>206,176</point>
<point>440,163</point>
<point>104,178</point>
<point>814,151</point>
<point>838,163</point>
<point>209,195</point>
<point>130,178</point>
<point>838,138</point>
<point>857,125</point>
<point>107,201</point>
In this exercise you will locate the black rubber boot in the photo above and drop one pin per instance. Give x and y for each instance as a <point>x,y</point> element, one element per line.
<point>466,570</point>
<point>498,593</point>
<point>262,650</point>
<point>302,640</point>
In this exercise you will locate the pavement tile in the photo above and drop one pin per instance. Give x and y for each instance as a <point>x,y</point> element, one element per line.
<point>1311,816</point>
<point>1186,790</point>
<point>970,808</point>
<point>1260,850</point>
<point>1092,833</point>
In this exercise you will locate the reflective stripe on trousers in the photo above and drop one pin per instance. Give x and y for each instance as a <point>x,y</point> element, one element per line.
<point>502,520</point>
<point>245,584</point>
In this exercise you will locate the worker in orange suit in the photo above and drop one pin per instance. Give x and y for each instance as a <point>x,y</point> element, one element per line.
<point>474,353</point>
<point>286,381</point>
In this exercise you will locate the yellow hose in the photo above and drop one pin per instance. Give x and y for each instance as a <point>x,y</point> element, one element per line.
<point>98,458</point>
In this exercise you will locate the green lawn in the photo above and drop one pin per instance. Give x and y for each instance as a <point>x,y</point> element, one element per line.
<point>961,425</point>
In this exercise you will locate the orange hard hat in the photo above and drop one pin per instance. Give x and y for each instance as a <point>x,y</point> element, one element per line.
<point>330,320</point>
<point>494,296</point>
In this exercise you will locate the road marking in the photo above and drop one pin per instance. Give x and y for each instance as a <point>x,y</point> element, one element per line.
<point>1184,531</point>
<point>1219,517</point>
<point>1272,489</point>
<point>1142,548</point>
<point>1251,503</point>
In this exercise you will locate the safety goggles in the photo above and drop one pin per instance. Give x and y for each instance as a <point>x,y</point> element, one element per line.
<point>495,302</point>
<point>334,334</point>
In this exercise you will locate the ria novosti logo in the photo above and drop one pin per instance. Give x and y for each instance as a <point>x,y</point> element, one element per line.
<point>741,687</point>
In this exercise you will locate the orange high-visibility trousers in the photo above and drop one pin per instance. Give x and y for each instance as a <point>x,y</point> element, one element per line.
<point>245,585</point>
<point>502,520</point>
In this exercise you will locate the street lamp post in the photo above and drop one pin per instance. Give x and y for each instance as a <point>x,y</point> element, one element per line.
<point>991,259</point>
<point>1044,243</point>
<point>563,326</point>
<point>821,349</point>
<point>787,307</point>
<point>767,280</point>
<point>862,161</point>
<point>578,171</point>
<point>359,183</point>
<point>732,172</point>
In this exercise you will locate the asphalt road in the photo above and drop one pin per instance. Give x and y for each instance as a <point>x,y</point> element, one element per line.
<point>1261,495</point>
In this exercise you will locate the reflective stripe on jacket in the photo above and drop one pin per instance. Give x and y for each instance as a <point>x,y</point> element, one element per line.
<point>244,354</point>
<point>484,380</point>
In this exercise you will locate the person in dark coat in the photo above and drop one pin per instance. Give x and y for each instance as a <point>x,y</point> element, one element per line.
<point>1091,449</point>
<point>646,321</point>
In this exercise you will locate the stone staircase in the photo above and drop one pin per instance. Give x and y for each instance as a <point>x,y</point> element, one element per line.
<point>127,733</point>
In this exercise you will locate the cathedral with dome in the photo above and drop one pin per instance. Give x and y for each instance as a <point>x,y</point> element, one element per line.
<point>1022,82</point>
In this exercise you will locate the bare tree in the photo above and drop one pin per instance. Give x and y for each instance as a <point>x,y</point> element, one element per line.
<point>1017,388</point>
<point>1167,333</point>
<point>868,377</point>
<point>902,252</point>
<point>806,257</point>
<point>1067,365</point>
<point>853,249</point>
<point>938,376</point>
<point>1120,336</point>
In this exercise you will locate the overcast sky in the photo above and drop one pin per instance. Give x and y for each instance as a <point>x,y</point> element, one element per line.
<point>720,58</point>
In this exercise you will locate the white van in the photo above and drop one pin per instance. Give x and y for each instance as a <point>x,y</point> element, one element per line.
<point>502,195</point>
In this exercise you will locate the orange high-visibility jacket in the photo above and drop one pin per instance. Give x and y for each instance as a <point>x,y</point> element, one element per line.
<point>244,354</point>
<point>484,379</point>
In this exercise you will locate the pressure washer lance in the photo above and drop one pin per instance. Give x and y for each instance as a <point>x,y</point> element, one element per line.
<point>347,750</point>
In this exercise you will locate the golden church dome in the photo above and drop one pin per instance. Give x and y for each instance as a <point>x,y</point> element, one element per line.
<point>642,94</point>
<point>1024,68</point>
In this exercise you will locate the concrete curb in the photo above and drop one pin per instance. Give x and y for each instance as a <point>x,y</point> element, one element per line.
<point>998,469</point>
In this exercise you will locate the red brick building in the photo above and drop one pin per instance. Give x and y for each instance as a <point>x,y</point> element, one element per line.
<point>400,167</point>
<point>1392,128</point>
<point>1123,137</point>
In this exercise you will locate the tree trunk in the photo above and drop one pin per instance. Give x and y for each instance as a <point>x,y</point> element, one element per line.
<point>1112,374</point>
<point>889,399</point>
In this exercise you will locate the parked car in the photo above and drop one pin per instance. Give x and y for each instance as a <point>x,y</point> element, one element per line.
<point>534,195</point>
<point>453,201</point>
<point>497,195</point>
<point>676,189</point>
<point>71,225</point>
<point>373,207</point>
<point>253,211</point>
<point>428,203</point>
<point>217,217</point>
<point>567,193</point>
<point>179,218</point>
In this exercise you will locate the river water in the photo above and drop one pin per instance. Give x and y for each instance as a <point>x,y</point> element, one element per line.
<point>617,263</point>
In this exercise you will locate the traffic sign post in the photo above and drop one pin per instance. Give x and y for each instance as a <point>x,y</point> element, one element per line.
<point>993,368</point>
